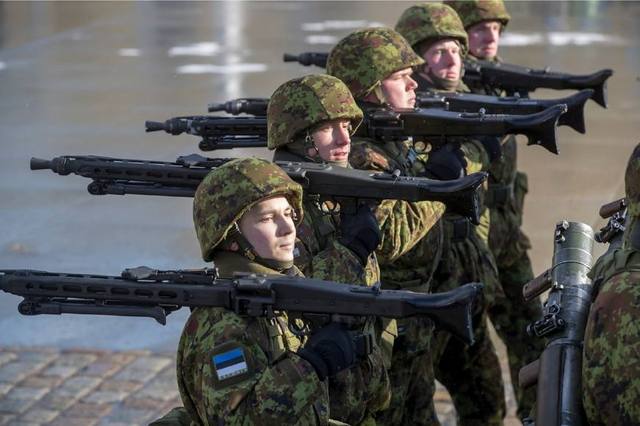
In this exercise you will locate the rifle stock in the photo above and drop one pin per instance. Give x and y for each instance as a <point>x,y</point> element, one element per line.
<point>345,186</point>
<point>518,79</point>
<point>146,292</point>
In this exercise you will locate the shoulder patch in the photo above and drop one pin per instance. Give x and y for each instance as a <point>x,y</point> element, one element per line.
<point>231,364</point>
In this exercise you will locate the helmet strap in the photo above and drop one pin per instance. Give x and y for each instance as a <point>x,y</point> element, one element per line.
<point>236,242</point>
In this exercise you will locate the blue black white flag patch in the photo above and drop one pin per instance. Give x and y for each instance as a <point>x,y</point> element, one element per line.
<point>230,363</point>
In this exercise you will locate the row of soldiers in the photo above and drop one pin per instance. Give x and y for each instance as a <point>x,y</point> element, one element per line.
<point>251,217</point>
<point>410,246</point>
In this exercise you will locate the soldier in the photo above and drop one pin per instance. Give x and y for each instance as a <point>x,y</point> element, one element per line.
<point>611,358</point>
<point>239,370</point>
<point>484,21</point>
<point>311,119</point>
<point>376,65</point>
<point>471,373</point>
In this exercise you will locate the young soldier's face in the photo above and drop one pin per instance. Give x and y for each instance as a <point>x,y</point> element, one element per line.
<point>484,38</point>
<point>399,89</point>
<point>443,59</point>
<point>269,228</point>
<point>332,140</point>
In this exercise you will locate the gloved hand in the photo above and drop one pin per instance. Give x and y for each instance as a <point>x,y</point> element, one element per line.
<point>330,350</point>
<point>492,145</point>
<point>446,163</point>
<point>360,232</point>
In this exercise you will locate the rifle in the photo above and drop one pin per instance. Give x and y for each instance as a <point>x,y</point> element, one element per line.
<point>557,372</point>
<point>514,79</point>
<point>379,123</point>
<point>144,292</point>
<point>345,186</point>
<point>216,132</point>
<point>451,101</point>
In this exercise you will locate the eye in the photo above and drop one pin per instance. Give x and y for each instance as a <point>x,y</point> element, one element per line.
<point>266,219</point>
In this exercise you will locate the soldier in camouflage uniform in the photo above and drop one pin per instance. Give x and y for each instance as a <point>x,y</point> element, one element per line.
<point>611,359</point>
<point>243,370</point>
<point>311,119</point>
<point>484,21</point>
<point>471,373</point>
<point>376,66</point>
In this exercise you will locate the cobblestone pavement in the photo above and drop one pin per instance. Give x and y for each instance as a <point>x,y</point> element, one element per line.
<point>47,386</point>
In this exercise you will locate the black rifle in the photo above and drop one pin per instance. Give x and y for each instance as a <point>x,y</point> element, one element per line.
<point>379,123</point>
<point>557,372</point>
<point>145,292</point>
<point>451,101</point>
<point>216,132</point>
<point>345,186</point>
<point>514,79</point>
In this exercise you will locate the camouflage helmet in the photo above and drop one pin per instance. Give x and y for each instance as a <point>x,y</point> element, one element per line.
<point>430,22</point>
<point>302,103</point>
<point>230,190</point>
<point>632,183</point>
<point>474,11</point>
<point>366,57</point>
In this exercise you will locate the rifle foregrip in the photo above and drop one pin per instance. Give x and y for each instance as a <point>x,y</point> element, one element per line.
<point>609,209</point>
<point>537,286</point>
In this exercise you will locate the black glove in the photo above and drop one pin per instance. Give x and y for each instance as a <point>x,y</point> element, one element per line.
<point>360,232</point>
<point>330,350</point>
<point>492,145</point>
<point>446,163</point>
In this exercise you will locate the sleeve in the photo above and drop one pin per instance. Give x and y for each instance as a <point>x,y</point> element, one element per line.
<point>226,376</point>
<point>402,224</point>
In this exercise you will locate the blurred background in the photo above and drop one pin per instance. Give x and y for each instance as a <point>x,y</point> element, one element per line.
<point>82,77</point>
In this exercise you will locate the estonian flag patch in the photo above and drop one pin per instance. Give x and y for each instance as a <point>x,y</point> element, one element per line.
<point>230,364</point>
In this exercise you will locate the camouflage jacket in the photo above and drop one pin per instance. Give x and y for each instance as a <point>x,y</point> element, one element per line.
<point>363,389</point>
<point>319,254</point>
<point>611,358</point>
<point>244,371</point>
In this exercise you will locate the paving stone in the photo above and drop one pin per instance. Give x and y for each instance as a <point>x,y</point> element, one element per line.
<point>101,369</point>
<point>120,385</point>
<point>4,388</point>
<point>162,388</point>
<point>63,371</point>
<point>73,421</point>
<point>41,382</point>
<point>40,357</point>
<point>6,418</point>
<point>39,415</point>
<point>26,393</point>
<point>76,359</point>
<point>78,386</point>
<point>6,357</point>
<point>127,416</point>
<point>17,370</point>
<point>14,406</point>
<point>84,410</point>
<point>55,401</point>
<point>105,397</point>
<point>143,369</point>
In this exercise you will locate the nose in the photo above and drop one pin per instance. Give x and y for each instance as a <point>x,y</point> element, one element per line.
<point>449,58</point>
<point>342,136</point>
<point>411,84</point>
<point>285,226</point>
<point>491,35</point>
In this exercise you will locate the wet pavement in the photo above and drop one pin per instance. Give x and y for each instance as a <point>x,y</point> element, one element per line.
<point>81,78</point>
